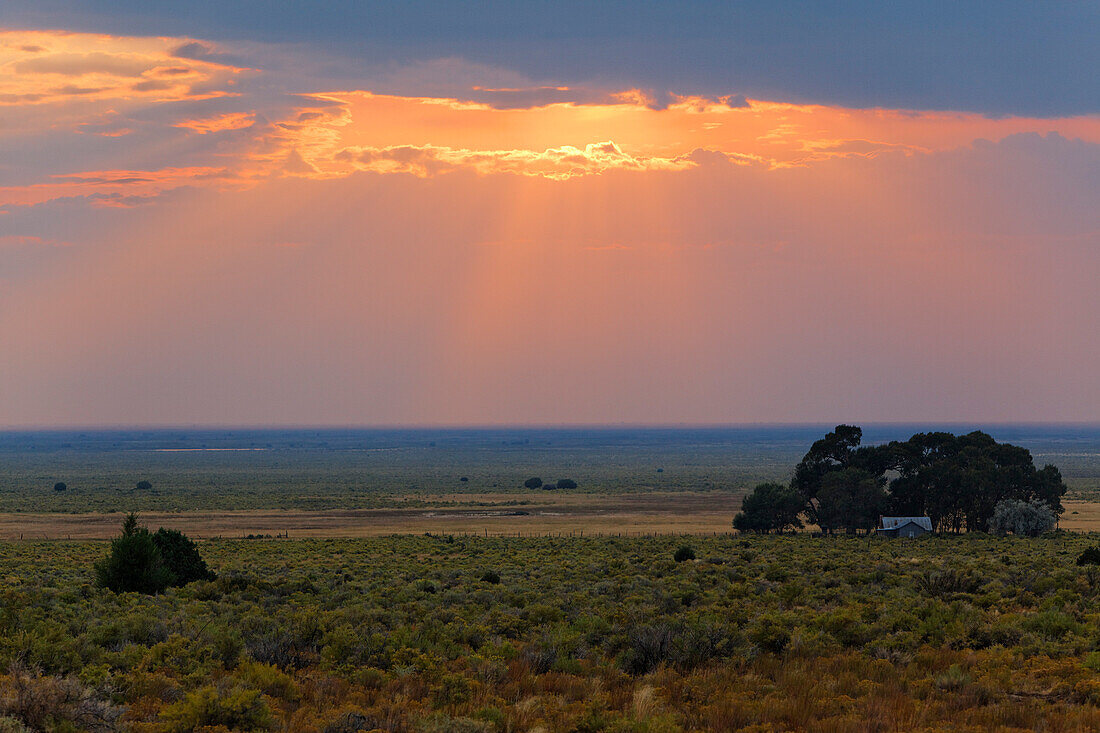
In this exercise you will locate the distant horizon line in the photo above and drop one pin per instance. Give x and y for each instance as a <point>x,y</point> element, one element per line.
<point>534,426</point>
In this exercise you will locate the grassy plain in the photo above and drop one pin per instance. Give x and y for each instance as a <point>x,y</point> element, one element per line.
<point>480,635</point>
<point>387,469</point>
<point>543,513</point>
<point>535,611</point>
<point>557,512</point>
<point>320,470</point>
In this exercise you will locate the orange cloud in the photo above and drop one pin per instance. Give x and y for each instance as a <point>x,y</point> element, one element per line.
<point>220,123</point>
<point>114,188</point>
<point>555,163</point>
<point>151,89</point>
<point>53,67</point>
<point>359,130</point>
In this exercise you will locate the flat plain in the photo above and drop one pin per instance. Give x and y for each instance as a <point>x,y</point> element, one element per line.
<point>363,585</point>
<point>356,483</point>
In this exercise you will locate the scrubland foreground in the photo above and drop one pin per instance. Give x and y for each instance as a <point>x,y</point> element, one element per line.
<point>419,633</point>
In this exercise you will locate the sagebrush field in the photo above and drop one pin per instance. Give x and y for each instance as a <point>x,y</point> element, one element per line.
<point>438,633</point>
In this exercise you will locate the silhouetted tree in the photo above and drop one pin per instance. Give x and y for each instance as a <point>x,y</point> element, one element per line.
<point>533,483</point>
<point>838,451</point>
<point>566,483</point>
<point>851,499</point>
<point>143,486</point>
<point>956,481</point>
<point>834,452</point>
<point>60,486</point>
<point>770,507</point>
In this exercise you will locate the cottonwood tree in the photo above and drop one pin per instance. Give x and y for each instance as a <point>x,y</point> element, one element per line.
<point>771,507</point>
<point>851,499</point>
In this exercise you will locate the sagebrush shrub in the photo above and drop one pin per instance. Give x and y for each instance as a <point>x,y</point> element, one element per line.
<point>1091,556</point>
<point>683,554</point>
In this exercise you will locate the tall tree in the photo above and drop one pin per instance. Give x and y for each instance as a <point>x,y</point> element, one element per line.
<point>851,499</point>
<point>770,507</point>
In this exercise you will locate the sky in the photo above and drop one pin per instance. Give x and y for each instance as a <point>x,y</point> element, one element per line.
<point>361,213</point>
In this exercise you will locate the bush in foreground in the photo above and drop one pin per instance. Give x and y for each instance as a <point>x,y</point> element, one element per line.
<point>181,556</point>
<point>143,562</point>
<point>135,563</point>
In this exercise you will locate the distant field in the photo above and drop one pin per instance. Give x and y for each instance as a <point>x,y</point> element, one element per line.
<point>509,514</point>
<point>317,470</point>
<point>572,515</point>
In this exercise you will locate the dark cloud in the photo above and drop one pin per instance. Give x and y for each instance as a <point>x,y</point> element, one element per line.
<point>196,51</point>
<point>1009,57</point>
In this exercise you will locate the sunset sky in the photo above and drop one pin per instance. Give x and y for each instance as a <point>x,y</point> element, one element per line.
<point>361,213</point>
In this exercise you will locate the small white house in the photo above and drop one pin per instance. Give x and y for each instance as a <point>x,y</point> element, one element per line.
<point>904,526</point>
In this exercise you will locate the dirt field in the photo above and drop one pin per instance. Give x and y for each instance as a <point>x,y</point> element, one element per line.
<point>495,514</point>
<point>682,513</point>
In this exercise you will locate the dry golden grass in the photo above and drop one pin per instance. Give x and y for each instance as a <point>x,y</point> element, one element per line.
<point>681,513</point>
<point>660,513</point>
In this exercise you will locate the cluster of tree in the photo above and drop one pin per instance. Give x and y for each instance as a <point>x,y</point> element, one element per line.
<point>149,562</point>
<point>957,481</point>
<point>537,483</point>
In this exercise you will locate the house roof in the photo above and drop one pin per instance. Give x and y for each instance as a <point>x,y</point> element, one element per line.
<point>897,522</point>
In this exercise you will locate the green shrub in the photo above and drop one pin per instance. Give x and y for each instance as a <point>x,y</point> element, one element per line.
<point>181,556</point>
<point>648,647</point>
<point>135,563</point>
<point>231,705</point>
<point>1091,556</point>
<point>148,563</point>
<point>946,583</point>
<point>683,554</point>
<point>770,634</point>
<point>228,647</point>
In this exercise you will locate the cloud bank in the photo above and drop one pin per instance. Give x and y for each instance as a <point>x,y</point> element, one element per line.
<point>227,244</point>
